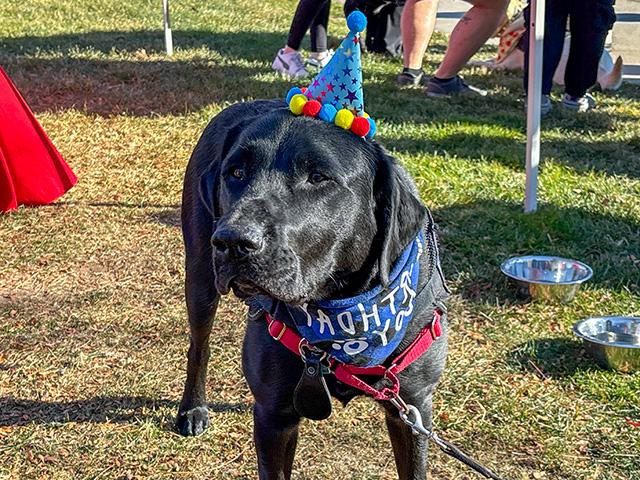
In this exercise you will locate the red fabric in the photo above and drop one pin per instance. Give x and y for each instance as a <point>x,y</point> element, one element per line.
<point>32,171</point>
<point>347,373</point>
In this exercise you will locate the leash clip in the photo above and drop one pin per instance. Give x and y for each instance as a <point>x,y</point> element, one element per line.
<point>400,404</point>
<point>416,424</point>
<point>306,350</point>
<point>419,429</point>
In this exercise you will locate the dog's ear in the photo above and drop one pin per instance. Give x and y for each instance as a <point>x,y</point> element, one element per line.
<point>207,190</point>
<point>400,215</point>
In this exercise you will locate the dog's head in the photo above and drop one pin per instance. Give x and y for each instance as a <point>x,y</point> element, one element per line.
<point>305,211</point>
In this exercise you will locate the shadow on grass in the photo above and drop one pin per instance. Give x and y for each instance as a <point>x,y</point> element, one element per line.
<point>477,237</point>
<point>52,76</point>
<point>167,206</point>
<point>168,217</point>
<point>141,88</point>
<point>612,157</point>
<point>71,71</point>
<point>550,357</point>
<point>252,45</point>
<point>17,412</point>
<point>628,90</point>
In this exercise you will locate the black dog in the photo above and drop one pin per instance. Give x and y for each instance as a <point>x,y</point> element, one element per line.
<point>298,209</point>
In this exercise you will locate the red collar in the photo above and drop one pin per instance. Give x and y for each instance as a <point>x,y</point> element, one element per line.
<point>348,373</point>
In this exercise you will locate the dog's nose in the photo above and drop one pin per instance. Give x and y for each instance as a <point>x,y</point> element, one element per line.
<point>238,242</point>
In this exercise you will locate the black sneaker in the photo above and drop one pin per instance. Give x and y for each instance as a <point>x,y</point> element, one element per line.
<point>454,86</point>
<point>408,79</point>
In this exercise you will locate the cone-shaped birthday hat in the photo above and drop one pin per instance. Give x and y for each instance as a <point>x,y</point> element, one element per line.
<point>335,94</point>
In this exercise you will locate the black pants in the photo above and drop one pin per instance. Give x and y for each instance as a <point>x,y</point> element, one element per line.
<point>313,15</point>
<point>589,20</point>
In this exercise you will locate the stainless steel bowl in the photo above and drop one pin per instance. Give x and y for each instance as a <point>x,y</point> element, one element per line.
<point>553,279</point>
<point>613,341</point>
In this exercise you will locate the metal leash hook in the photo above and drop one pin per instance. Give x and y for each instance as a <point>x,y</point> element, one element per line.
<point>408,411</point>
<point>416,425</point>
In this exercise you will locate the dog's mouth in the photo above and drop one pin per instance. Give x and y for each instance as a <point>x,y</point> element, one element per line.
<point>245,289</point>
<point>246,281</point>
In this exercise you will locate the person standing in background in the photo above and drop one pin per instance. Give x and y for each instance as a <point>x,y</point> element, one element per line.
<point>310,15</point>
<point>589,24</point>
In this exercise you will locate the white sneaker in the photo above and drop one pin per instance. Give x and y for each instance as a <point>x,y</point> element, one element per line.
<point>578,104</point>
<point>289,64</point>
<point>318,60</point>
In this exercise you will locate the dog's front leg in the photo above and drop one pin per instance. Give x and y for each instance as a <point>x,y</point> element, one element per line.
<point>276,436</point>
<point>202,302</point>
<point>272,373</point>
<point>410,451</point>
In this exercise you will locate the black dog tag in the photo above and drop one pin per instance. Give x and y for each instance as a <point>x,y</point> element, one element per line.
<point>311,397</point>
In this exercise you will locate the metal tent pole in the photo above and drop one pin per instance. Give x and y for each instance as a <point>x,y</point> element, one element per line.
<point>168,39</point>
<point>534,98</point>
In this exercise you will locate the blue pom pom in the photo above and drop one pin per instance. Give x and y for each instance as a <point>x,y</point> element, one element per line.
<point>292,92</point>
<point>328,113</point>
<point>356,21</point>
<point>372,128</point>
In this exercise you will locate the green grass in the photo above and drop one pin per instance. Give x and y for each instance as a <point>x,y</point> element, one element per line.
<point>93,332</point>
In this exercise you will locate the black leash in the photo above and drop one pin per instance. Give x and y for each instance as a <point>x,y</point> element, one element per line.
<point>409,411</point>
<point>458,454</point>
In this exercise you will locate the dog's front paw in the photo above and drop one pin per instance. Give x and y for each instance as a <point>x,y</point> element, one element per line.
<point>193,422</point>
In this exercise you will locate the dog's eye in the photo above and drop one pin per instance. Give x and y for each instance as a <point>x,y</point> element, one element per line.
<point>317,177</point>
<point>237,173</point>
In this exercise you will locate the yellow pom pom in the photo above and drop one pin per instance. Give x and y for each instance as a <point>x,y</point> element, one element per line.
<point>365,114</point>
<point>344,119</point>
<point>297,103</point>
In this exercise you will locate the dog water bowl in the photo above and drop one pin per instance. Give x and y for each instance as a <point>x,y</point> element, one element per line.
<point>613,341</point>
<point>553,279</point>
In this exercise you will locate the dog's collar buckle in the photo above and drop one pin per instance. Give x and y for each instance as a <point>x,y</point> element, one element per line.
<point>278,335</point>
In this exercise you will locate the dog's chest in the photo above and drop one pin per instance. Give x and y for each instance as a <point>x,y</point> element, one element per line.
<point>363,330</point>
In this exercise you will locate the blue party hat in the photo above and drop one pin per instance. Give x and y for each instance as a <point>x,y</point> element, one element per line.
<point>335,94</point>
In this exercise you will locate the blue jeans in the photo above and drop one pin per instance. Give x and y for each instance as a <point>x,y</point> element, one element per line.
<point>590,21</point>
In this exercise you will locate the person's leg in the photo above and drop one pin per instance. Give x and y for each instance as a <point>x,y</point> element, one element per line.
<point>306,12</point>
<point>416,27</point>
<point>417,24</point>
<point>319,25</point>
<point>556,13</point>
<point>590,21</point>
<point>288,60</point>
<point>471,33</point>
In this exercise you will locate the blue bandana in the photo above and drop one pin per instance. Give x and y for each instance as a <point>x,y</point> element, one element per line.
<point>362,330</point>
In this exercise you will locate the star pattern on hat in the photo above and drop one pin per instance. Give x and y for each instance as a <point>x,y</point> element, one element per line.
<point>338,86</point>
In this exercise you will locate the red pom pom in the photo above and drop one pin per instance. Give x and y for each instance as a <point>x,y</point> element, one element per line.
<point>360,126</point>
<point>311,108</point>
<point>303,89</point>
